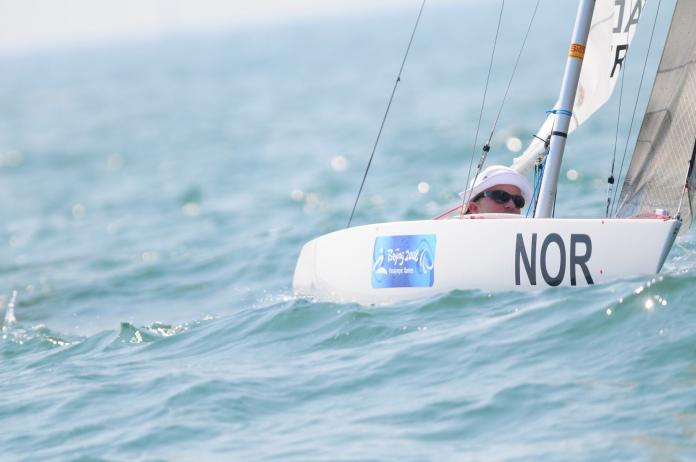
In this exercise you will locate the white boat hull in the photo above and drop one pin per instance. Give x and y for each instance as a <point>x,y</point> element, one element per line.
<point>398,261</point>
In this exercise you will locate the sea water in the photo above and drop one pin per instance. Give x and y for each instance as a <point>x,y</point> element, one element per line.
<point>155,196</point>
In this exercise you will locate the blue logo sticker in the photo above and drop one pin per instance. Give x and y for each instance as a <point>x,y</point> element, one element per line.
<point>403,261</point>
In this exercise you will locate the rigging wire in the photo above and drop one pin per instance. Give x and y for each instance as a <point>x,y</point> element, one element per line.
<point>514,70</point>
<point>483,102</point>
<point>686,184</point>
<point>386,112</point>
<point>538,175</point>
<point>635,105</point>
<point>486,147</point>
<point>610,179</point>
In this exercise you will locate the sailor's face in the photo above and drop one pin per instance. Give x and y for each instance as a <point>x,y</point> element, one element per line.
<point>489,205</point>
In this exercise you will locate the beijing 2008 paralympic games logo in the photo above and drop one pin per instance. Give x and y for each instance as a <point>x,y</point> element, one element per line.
<point>403,261</point>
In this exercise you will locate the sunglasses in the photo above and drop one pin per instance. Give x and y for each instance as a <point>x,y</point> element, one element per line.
<point>501,197</point>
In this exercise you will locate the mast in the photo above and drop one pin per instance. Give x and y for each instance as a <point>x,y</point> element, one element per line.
<point>564,111</point>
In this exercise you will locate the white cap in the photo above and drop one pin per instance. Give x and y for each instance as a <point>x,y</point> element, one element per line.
<point>495,175</point>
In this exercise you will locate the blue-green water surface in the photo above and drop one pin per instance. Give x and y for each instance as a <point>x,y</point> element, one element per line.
<point>156,194</point>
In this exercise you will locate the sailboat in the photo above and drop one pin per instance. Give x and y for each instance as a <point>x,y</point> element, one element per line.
<point>398,261</point>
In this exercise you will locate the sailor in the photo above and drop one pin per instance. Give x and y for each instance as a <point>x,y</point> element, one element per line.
<point>497,189</point>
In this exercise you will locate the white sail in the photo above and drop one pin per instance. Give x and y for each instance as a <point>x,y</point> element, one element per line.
<point>662,175</point>
<point>614,24</point>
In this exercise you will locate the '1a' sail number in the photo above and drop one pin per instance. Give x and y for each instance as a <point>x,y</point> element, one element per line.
<point>528,259</point>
